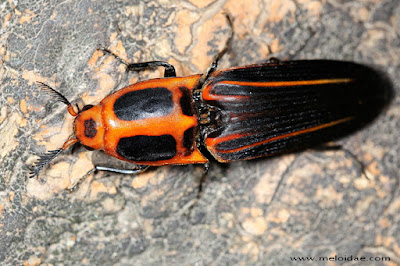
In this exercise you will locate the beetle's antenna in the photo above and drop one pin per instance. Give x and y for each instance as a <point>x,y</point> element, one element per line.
<point>61,98</point>
<point>43,161</point>
<point>46,158</point>
<point>50,91</point>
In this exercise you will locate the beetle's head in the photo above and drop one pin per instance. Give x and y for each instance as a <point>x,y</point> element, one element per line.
<point>88,129</point>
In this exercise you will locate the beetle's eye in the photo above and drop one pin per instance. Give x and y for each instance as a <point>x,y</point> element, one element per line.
<point>86,107</point>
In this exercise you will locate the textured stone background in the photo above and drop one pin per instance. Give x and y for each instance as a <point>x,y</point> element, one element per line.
<point>323,205</point>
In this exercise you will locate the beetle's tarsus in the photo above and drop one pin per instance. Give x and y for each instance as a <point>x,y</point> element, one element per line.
<point>80,181</point>
<point>358,162</point>
<point>337,147</point>
<point>106,50</point>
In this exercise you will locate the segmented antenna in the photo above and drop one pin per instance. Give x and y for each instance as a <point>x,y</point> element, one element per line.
<point>46,158</point>
<point>43,161</point>
<point>61,98</point>
<point>52,92</point>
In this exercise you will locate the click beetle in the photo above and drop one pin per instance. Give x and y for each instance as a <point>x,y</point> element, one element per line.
<point>239,113</point>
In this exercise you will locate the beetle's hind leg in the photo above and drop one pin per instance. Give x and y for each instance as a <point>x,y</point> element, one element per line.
<point>137,170</point>
<point>200,190</point>
<point>203,179</point>
<point>351,155</point>
<point>168,72</point>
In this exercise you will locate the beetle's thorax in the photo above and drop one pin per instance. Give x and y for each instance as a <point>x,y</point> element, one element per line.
<point>89,128</point>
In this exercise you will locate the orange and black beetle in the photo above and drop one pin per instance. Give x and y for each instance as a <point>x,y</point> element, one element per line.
<point>234,114</point>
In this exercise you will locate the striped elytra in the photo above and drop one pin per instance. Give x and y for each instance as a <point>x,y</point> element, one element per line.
<point>275,108</point>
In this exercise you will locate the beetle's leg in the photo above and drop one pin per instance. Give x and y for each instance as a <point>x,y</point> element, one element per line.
<point>294,53</point>
<point>273,60</point>
<point>203,180</point>
<point>169,69</point>
<point>227,47</point>
<point>214,64</point>
<point>358,161</point>
<point>203,112</point>
<point>137,170</point>
<point>336,147</point>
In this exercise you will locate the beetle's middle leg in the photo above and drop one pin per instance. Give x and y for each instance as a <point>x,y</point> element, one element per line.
<point>137,170</point>
<point>206,114</point>
<point>168,72</point>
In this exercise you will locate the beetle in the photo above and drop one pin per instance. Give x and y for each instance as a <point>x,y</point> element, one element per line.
<point>239,113</point>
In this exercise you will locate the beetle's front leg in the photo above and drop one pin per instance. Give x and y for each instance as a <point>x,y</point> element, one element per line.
<point>137,170</point>
<point>169,69</point>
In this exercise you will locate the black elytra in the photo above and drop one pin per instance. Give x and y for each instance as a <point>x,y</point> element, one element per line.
<point>186,101</point>
<point>270,114</point>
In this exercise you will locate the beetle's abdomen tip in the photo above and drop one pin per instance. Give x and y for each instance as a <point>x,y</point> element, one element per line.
<point>376,92</point>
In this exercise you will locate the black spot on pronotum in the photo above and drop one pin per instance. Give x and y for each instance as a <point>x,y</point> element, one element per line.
<point>90,128</point>
<point>186,101</point>
<point>147,148</point>
<point>142,104</point>
<point>188,140</point>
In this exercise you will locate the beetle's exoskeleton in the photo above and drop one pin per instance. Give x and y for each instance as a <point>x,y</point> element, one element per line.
<point>238,113</point>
